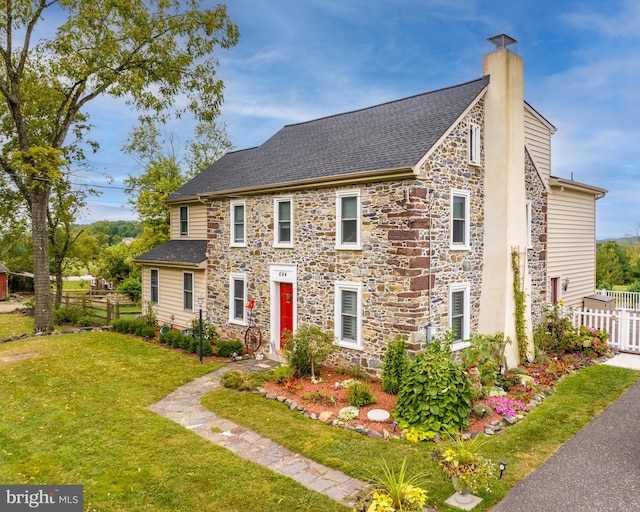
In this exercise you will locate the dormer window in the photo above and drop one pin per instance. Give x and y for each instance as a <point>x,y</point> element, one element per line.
<point>474,144</point>
<point>184,221</point>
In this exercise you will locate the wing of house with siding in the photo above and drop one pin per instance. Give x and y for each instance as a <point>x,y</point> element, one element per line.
<point>173,274</point>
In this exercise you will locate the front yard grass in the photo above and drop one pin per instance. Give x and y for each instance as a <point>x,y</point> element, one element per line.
<point>524,446</point>
<point>76,413</point>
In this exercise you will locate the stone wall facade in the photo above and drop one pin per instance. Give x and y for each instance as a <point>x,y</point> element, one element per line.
<point>537,253</point>
<point>405,266</point>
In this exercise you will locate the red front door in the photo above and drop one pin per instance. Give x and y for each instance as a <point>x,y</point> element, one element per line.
<point>286,308</point>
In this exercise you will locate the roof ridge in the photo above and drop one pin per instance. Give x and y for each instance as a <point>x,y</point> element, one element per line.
<point>385,103</point>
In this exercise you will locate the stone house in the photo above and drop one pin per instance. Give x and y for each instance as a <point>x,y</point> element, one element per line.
<point>398,219</point>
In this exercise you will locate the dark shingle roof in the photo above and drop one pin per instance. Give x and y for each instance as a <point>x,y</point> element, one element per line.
<point>191,252</point>
<point>393,135</point>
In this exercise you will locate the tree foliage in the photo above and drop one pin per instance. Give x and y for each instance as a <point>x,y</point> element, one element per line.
<point>612,264</point>
<point>149,53</point>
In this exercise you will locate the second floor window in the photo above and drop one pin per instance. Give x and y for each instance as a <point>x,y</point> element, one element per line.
<point>459,224</point>
<point>283,225</point>
<point>474,144</point>
<point>238,224</point>
<point>348,220</point>
<point>184,221</point>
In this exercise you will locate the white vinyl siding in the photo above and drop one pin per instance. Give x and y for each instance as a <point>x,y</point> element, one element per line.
<point>197,221</point>
<point>459,222</point>
<point>459,313</point>
<point>170,306</point>
<point>537,136</point>
<point>348,220</point>
<point>283,222</point>
<point>474,144</point>
<point>238,223</point>
<point>237,299</point>
<point>348,314</point>
<point>571,246</point>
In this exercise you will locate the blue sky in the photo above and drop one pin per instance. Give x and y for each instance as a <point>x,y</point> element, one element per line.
<point>299,60</point>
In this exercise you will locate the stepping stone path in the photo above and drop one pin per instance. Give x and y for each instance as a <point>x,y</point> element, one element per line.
<point>183,406</point>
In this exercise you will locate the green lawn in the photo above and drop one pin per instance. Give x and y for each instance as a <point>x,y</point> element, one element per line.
<point>579,398</point>
<point>76,413</point>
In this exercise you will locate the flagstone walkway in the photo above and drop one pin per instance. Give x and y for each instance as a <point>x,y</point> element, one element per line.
<point>183,406</point>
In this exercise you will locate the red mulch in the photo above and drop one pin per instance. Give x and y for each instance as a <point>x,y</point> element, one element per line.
<point>385,401</point>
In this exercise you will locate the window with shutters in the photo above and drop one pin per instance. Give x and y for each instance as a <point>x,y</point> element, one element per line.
<point>474,144</point>
<point>459,223</point>
<point>348,220</point>
<point>459,314</point>
<point>348,317</point>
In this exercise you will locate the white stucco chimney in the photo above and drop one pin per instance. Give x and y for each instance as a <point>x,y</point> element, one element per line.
<point>505,195</point>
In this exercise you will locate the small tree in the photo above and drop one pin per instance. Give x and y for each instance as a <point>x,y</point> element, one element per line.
<point>308,348</point>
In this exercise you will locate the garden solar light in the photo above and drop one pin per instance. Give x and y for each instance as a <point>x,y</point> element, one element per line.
<point>394,425</point>
<point>502,466</point>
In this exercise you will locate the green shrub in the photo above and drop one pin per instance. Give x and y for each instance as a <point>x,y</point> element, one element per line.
<point>137,327</point>
<point>308,348</point>
<point>144,331</point>
<point>85,321</point>
<point>435,395</point>
<point>481,410</point>
<point>395,364</point>
<point>67,314</point>
<point>194,346</point>
<point>132,287</point>
<point>209,331</point>
<point>234,379</point>
<point>121,325</point>
<point>359,395</point>
<point>226,348</point>
<point>282,373</point>
<point>556,333</point>
<point>486,353</point>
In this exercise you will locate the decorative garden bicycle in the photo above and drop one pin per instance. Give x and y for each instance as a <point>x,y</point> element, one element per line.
<point>253,334</point>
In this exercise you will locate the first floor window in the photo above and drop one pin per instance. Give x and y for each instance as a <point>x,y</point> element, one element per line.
<point>153,291</point>
<point>237,298</point>
<point>187,279</point>
<point>348,318</point>
<point>459,312</point>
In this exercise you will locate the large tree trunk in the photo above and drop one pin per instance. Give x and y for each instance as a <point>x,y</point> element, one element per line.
<point>43,313</point>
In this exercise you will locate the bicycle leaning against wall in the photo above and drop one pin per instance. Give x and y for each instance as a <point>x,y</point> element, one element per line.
<point>253,334</point>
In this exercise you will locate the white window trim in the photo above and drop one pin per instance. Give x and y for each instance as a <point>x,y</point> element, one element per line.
<point>184,291</point>
<point>348,286</point>
<point>232,222</point>
<point>185,206</point>
<point>474,144</point>
<point>467,221</point>
<point>466,321</point>
<point>157,271</point>
<point>529,210</point>
<point>339,244</point>
<point>276,222</point>
<point>232,319</point>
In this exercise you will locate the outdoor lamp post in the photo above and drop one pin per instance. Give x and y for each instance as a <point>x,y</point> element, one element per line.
<point>200,302</point>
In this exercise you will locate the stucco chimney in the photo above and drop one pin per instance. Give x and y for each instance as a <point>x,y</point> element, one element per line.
<point>505,226</point>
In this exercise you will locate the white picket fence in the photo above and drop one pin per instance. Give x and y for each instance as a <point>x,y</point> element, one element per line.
<point>624,300</point>
<point>623,326</point>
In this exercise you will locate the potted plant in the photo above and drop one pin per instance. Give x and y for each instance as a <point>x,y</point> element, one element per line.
<point>469,470</point>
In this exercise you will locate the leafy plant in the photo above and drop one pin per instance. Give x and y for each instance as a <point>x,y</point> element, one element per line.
<point>395,365</point>
<point>149,314</point>
<point>395,491</point>
<point>281,373</point>
<point>67,314</point>
<point>557,333</point>
<point>307,349</point>
<point>519,297</point>
<point>209,332</point>
<point>359,394</point>
<point>486,353</point>
<point>463,460</point>
<point>292,384</point>
<point>132,287</point>
<point>348,413</point>
<point>435,395</point>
